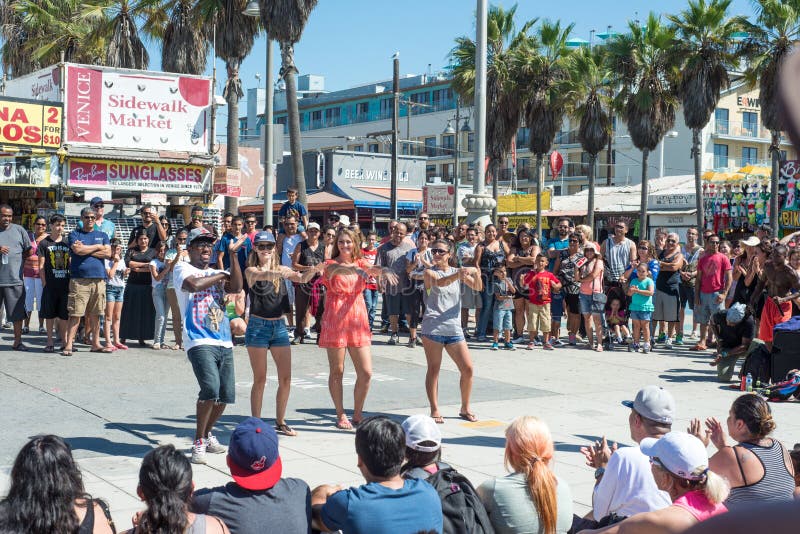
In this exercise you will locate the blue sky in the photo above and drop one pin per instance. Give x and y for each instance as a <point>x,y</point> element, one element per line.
<point>352,41</point>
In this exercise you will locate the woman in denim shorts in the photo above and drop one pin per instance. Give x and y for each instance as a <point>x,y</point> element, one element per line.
<point>266,329</point>
<point>115,287</point>
<point>441,325</point>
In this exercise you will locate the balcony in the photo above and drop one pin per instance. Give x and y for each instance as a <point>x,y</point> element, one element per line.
<point>567,138</point>
<point>723,164</point>
<point>742,130</point>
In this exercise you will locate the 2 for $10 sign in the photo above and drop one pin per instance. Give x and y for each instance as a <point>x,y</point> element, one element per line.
<point>30,124</point>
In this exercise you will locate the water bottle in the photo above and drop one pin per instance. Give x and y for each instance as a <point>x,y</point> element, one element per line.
<point>5,259</point>
<point>749,382</point>
<point>230,310</point>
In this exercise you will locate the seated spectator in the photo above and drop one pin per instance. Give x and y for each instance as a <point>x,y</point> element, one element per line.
<point>758,468</point>
<point>165,485</point>
<point>258,500</point>
<point>773,518</point>
<point>624,482</point>
<point>409,506</point>
<point>53,503</point>
<point>795,454</point>
<point>680,467</point>
<point>532,498</point>
<point>735,330</point>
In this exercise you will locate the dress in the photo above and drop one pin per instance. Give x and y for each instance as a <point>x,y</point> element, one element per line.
<point>344,321</point>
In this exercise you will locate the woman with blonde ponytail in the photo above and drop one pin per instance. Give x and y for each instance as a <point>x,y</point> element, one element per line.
<point>532,498</point>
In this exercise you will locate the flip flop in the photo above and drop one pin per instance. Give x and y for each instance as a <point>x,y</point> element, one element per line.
<point>121,346</point>
<point>20,347</point>
<point>66,352</point>
<point>344,424</point>
<point>468,417</point>
<point>104,350</point>
<point>285,429</point>
<point>49,348</point>
<point>438,419</point>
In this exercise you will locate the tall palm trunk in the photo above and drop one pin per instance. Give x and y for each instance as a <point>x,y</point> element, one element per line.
<point>774,201</point>
<point>590,176</point>
<point>233,92</point>
<point>289,71</point>
<point>643,199</point>
<point>494,167</point>
<point>698,182</point>
<point>539,234</point>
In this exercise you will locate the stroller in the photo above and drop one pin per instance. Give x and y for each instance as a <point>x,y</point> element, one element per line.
<point>614,292</point>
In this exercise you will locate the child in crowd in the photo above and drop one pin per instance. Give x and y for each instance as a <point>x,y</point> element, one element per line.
<point>616,320</point>
<point>293,208</point>
<point>503,290</point>
<point>641,291</point>
<point>541,284</point>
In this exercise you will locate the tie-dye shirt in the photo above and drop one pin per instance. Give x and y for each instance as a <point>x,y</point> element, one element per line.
<point>204,319</point>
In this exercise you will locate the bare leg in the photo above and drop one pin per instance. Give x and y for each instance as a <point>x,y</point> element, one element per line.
<point>49,326</point>
<point>459,352</point>
<point>336,373</point>
<point>95,332</point>
<point>362,361</point>
<point>117,317</point>
<point>283,361</point>
<point>107,324</point>
<point>17,332</point>
<point>72,329</point>
<point>587,323</point>
<point>433,353</point>
<point>258,363</point>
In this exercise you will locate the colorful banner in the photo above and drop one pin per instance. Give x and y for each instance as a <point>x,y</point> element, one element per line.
<point>25,171</point>
<point>522,203</point>
<point>30,124</point>
<point>137,109</point>
<point>137,176</point>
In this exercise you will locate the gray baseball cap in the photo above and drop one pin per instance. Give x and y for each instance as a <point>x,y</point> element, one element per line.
<point>654,403</point>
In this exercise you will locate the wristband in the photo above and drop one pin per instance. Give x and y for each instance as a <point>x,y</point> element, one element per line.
<point>599,472</point>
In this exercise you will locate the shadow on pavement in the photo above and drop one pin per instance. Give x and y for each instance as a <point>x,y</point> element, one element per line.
<point>104,446</point>
<point>673,375</point>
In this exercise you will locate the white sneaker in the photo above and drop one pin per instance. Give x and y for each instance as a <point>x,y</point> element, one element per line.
<point>668,343</point>
<point>199,451</point>
<point>518,339</point>
<point>214,446</point>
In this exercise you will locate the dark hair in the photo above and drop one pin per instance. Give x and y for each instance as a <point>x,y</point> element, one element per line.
<point>115,242</point>
<point>754,411</point>
<point>86,211</point>
<point>381,444</point>
<point>57,217</point>
<point>165,480</point>
<point>40,217</point>
<point>569,221</point>
<point>145,207</point>
<point>540,256</point>
<point>237,218</point>
<point>427,233</point>
<point>45,482</point>
<point>416,458</point>
<point>517,244</point>
<point>783,250</point>
<point>141,232</point>
<point>197,208</point>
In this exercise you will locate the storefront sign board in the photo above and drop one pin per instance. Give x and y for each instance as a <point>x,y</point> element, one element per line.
<point>44,84</point>
<point>25,171</point>
<point>30,124</point>
<point>136,176</point>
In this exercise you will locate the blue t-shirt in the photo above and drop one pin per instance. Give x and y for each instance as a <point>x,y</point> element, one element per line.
<point>375,508</point>
<point>87,266</point>
<point>641,302</point>
<point>295,210</point>
<point>222,246</point>
<point>107,227</point>
<point>556,244</point>
<point>653,266</point>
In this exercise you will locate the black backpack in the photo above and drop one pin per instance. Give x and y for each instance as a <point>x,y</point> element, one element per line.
<point>462,509</point>
<point>758,365</point>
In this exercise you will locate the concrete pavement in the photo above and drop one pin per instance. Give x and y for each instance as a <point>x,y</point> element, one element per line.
<point>114,408</point>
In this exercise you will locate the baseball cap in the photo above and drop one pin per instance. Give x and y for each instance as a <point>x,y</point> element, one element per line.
<point>680,453</point>
<point>313,225</point>
<point>654,403</point>
<point>420,428</point>
<point>344,219</point>
<point>333,215</point>
<point>264,237</point>
<point>95,200</point>
<point>591,245</point>
<point>253,455</point>
<point>199,233</point>
<point>751,241</point>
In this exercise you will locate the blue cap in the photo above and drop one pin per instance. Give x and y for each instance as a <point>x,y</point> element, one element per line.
<point>95,200</point>
<point>253,455</point>
<point>264,237</point>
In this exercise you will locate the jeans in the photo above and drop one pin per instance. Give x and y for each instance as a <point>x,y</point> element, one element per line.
<point>162,307</point>
<point>371,300</point>
<point>487,303</point>
<point>213,368</point>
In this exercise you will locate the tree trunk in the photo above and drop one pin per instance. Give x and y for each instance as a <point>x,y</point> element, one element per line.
<point>774,201</point>
<point>590,176</point>
<point>539,161</point>
<point>494,166</point>
<point>232,88</point>
<point>698,181</point>
<point>288,70</point>
<point>643,200</point>
<point>609,168</point>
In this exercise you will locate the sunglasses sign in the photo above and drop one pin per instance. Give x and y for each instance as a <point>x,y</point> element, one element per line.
<point>136,176</point>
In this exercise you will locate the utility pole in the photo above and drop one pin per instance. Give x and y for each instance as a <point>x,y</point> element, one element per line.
<point>455,164</point>
<point>395,113</point>
<point>269,177</point>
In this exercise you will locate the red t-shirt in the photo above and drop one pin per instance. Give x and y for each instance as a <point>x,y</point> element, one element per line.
<point>540,286</point>
<point>711,271</point>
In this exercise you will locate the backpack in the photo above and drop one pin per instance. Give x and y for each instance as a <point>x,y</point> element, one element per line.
<point>758,364</point>
<point>784,390</point>
<point>462,509</point>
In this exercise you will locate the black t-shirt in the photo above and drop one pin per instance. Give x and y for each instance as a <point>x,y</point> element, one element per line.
<point>732,336</point>
<point>56,262</point>
<point>133,254</point>
<point>152,233</point>
<point>668,282</point>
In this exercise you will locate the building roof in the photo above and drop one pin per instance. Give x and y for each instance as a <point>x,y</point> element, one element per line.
<point>621,198</point>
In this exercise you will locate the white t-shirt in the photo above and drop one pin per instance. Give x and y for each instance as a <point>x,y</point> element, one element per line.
<point>160,266</point>
<point>628,486</point>
<point>118,280</point>
<point>204,319</point>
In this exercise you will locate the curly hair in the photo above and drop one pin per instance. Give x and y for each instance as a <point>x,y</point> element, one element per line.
<point>165,480</point>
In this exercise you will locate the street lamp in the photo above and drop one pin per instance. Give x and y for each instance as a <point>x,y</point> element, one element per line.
<point>253,9</point>
<point>449,130</point>
<point>672,134</point>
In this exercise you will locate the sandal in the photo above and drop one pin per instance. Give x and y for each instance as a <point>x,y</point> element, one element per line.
<point>157,346</point>
<point>285,429</point>
<point>65,352</point>
<point>121,346</point>
<point>344,423</point>
<point>49,348</point>
<point>103,350</point>
<point>20,347</point>
<point>467,416</point>
<point>438,419</point>
<point>699,347</point>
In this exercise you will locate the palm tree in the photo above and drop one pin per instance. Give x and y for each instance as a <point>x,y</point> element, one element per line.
<point>542,71</point>
<point>503,100</point>
<point>587,93</point>
<point>707,51</point>
<point>125,49</point>
<point>185,39</point>
<point>284,21</point>
<point>768,45</point>
<point>235,35</point>
<point>646,65</point>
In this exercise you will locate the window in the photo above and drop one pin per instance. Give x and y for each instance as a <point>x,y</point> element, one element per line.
<point>430,172</point>
<point>721,120</point>
<point>448,142</point>
<point>783,155</point>
<point>332,116</point>
<point>430,147</point>
<point>373,148</point>
<point>362,108</point>
<point>749,155</point>
<point>720,156</point>
<point>523,137</point>
<point>470,142</point>
<point>749,124</point>
<point>442,98</point>
<point>316,119</point>
<point>447,172</point>
<point>470,170</point>
<point>419,98</point>
<point>282,120</point>
<point>386,108</point>
<point>524,169</point>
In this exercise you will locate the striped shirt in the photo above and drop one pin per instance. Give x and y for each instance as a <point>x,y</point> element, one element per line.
<point>776,485</point>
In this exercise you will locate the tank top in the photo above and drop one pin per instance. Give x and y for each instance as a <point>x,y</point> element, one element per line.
<point>696,503</point>
<point>265,301</point>
<point>517,273</point>
<point>776,485</point>
<point>442,308</point>
<point>198,526</point>
<point>668,282</point>
<point>311,257</point>
<point>618,256</point>
<point>87,525</point>
<point>491,259</point>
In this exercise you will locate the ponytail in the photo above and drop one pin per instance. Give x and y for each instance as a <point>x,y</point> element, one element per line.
<point>542,487</point>
<point>716,488</point>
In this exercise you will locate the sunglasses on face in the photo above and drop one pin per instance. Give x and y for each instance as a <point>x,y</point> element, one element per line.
<point>40,224</point>
<point>671,241</point>
<point>439,251</point>
<point>251,222</point>
<point>643,248</point>
<point>89,217</point>
<point>573,240</point>
<point>98,205</point>
<point>265,247</point>
<point>330,235</point>
<point>180,239</point>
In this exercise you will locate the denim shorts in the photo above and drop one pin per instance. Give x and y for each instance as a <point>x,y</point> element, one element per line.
<point>641,315</point>
<point>557,306</point>
<point>444,340</point>
<point>266,333</point>
<point>213,368</point>
<point>501,320</point>
<point>114,293</point>
<point>589,306</point>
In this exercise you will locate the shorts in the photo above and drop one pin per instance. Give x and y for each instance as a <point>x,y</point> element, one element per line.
<point>444,340</point>
<point>501,320</point>
<point>687,297</point>
<point>557,307</point>
<point>589,306</point>
<point>14,299</point>
<point>470,299</point>
<point>86,296</point>
<point>641,315</point>
<point>290,291</point>
<point>266,333</point>
<point>213,368</point>
<point>54,303</point>
<point>395,304</point>
<point>33,291</point>
<point>573,303</point>
<point>666,306</point>
<point>708,307</point>
<point>538,316</point>
<point>114,293</point>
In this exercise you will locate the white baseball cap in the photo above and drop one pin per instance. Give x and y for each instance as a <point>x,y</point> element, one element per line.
<point>654,403</point>
<point>680,453</point>
<point>420,428</point>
